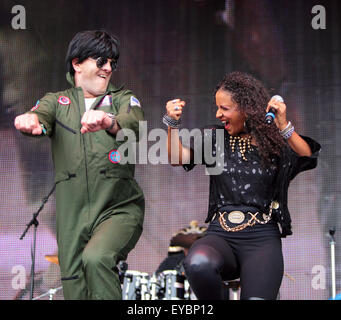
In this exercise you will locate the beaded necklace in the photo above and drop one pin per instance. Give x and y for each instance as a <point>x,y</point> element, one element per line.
<point>244,144</point>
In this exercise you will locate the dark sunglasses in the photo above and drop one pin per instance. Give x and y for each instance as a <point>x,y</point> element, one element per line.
<point>101,61</point>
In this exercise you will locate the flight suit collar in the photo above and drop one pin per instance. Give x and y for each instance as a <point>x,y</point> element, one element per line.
<point>111,89</point>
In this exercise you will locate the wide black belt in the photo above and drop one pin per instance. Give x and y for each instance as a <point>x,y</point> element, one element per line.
<point>236,218</point>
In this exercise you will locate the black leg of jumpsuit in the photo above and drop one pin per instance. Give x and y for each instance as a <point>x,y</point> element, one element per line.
<point>259,264</point>
<point>262,269</point>
<point>205,265</point>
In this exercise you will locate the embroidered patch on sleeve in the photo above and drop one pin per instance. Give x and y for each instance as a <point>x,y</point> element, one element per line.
<point>64,100</point>
<point>134,102</point>
<point>36,106</point>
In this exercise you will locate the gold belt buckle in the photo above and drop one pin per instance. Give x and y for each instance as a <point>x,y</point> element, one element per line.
<point>236,216</point>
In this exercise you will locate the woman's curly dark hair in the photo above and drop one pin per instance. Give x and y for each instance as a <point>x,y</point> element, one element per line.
<point>252,98</point>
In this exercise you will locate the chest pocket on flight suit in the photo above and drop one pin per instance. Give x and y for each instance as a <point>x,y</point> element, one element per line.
<point>63,176</point>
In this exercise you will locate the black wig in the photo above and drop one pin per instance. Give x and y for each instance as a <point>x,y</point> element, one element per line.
<point>92,44</point>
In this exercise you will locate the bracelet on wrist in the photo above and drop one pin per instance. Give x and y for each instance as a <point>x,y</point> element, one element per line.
<point>43,128</point>
<point>287,132</point>
<point>170,122</point>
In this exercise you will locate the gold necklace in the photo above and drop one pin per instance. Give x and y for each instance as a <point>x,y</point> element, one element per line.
<point>244,144</point>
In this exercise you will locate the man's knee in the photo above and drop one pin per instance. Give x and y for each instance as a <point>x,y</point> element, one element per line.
<point>92,258</point>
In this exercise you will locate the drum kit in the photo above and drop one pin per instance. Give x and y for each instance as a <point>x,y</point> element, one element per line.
<point>136,285</point>
<point>167,285</point>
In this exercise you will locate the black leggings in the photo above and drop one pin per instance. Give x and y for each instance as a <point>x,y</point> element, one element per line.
<point>258,262</point>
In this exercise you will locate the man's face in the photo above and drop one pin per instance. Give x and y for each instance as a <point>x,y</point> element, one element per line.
<point>92,79</point>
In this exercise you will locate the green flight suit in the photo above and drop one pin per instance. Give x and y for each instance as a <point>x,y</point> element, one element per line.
<point>99,205</point>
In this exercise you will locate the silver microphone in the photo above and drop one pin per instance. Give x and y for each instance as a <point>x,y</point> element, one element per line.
<point>270,116</point>
<point>278,98</point>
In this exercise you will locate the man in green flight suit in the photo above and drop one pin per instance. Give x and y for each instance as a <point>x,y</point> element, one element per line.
<point>99,205</point>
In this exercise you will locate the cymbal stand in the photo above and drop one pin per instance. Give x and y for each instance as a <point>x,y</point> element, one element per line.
<point>34,222</point>
<point>332,263</point>
<point>51,293</point>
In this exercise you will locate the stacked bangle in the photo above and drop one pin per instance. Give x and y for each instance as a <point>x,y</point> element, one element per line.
<point>287,132</point>
<point>170,122</point>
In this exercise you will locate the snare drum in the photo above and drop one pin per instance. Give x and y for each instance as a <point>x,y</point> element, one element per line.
<point>172,285</point>
<point>135,285</point>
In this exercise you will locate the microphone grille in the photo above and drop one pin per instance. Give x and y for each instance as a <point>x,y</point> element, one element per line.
<point>278,98</point>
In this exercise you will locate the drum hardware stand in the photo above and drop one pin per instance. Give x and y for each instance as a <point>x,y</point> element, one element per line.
<point>153,285</point>
<point>138,290</point>
<point>232,286</point>
<point>332,262</point>
<point>126,295</point>
<point>51,293</point>
<point>144,289</point>
<point>35,222</point>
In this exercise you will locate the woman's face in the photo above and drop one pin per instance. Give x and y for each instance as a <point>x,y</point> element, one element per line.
<point>228,113</point>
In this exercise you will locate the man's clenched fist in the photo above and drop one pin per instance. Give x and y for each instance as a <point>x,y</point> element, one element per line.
<point>28,123</point>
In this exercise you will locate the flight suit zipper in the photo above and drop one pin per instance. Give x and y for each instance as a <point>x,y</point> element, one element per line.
<point>79,103</point>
